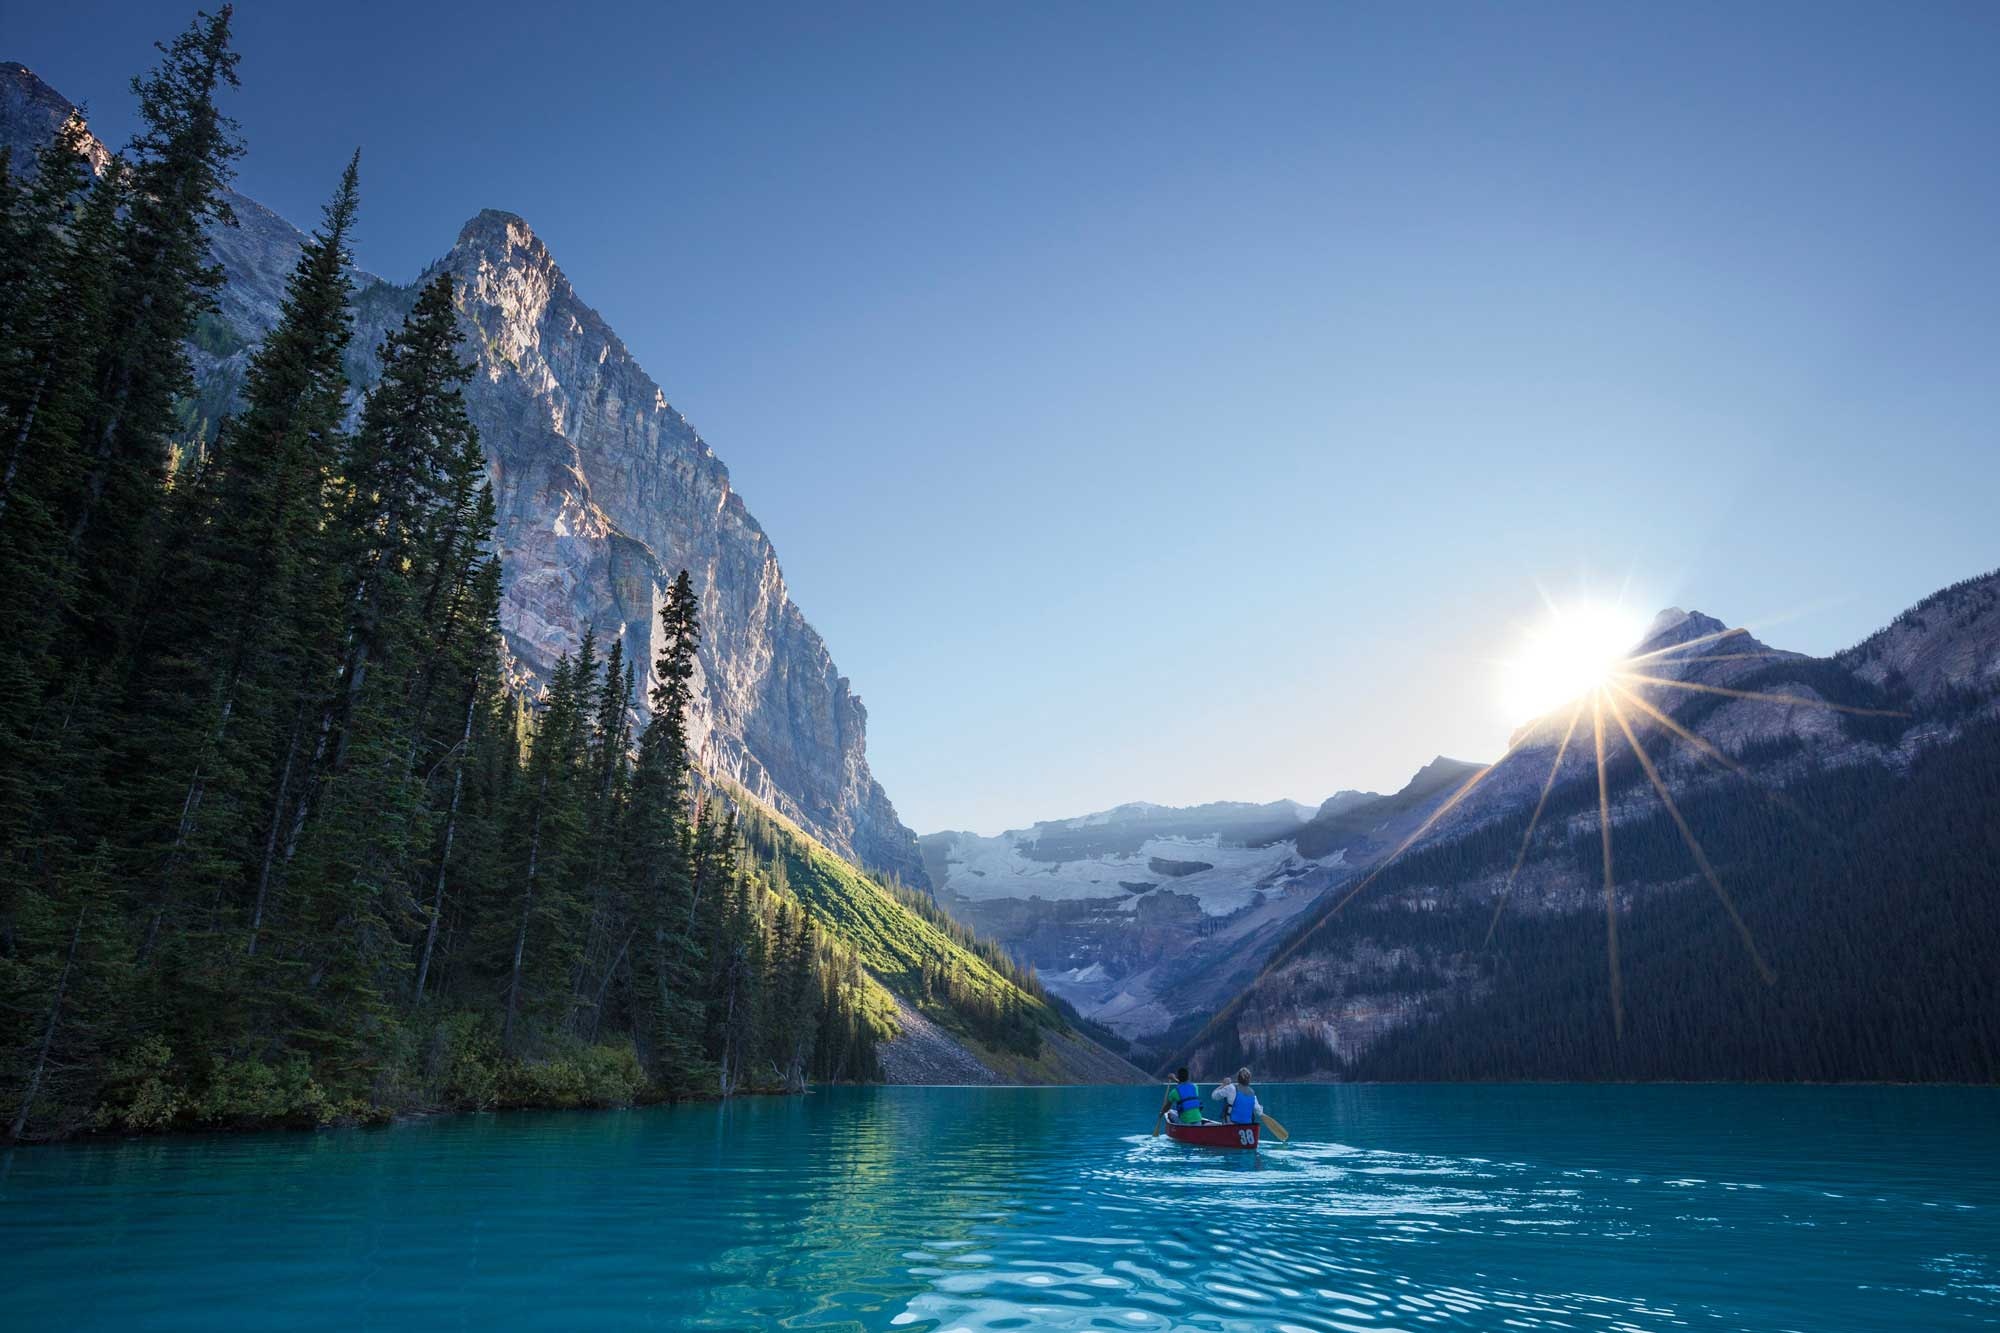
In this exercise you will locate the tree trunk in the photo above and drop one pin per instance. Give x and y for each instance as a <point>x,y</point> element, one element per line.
<point>604,986</point>
<point>450,827</point>
<point>267,862</point>
<point>198,784</point>
<point>527,910</point>
<point>34,1088</point>
<point>21,438</point>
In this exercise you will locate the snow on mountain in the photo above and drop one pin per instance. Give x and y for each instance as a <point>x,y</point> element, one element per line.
<point>1145,916</point>
<point>1220,877</point>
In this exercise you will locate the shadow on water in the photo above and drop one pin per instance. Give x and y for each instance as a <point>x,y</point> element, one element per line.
<point>977,1209</point>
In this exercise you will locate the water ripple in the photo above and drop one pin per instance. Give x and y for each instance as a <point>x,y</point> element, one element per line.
<point>975,1209</point>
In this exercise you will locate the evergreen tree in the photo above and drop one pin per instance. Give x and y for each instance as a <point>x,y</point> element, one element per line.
<point>62,315</point>
<point>181,162</point>
<point>657,843</point>
<point>279,836</point>
<point>66,979</point>
<point>239,610</point>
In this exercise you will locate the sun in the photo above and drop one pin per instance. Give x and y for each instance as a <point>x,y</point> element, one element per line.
<point>1581,667</point>
<point>1573,652</point>
<point>1582,662</point>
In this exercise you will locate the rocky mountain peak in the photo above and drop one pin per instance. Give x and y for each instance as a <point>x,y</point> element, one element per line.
<point>1441,768</point>
<point>30,114</point>
<point>1673,626</point>
<point>604,493</point>
<point>494,229</point>
<point>1346,800</point>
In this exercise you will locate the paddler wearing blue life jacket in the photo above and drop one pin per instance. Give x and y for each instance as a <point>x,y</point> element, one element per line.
<point>1239,1104</point>
<point>1183,1104</point>
<point>1243,1107</point>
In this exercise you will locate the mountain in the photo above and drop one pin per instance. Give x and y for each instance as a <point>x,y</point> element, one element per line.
<point>1145,918</point>
<point>605,492</point>
<point>1845,806</point>
<point>602,492</point>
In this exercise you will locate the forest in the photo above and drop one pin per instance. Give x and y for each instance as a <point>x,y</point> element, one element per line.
<point>1871,897</point>
<point>283,840</point>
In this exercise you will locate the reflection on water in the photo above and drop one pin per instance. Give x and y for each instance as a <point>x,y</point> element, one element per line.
<point>976,1209</point>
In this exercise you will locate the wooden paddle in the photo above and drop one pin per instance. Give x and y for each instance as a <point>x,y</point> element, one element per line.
<point>1274,1127</point>
<point>1163,1115</point>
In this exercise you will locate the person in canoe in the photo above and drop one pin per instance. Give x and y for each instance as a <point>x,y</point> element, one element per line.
<point>1243,1107</point>
<point>1225,1093</point>
<point>1183,1104</point>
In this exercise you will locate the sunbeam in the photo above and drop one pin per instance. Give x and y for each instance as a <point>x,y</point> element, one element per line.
<point>1716,657</point>
<point>1610,902</point>
<point>1693,845</point>
<point>1712,753</point>
<point>1602,684</point>
<point>1759,696</point>
<point>1687,643</point>
<point>1423,828</point>
<point>1575,714</point>
<point>1568,657</point>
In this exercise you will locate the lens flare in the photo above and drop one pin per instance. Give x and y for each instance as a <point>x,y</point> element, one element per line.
<point>1584,658</point>
<point>1573,653</point>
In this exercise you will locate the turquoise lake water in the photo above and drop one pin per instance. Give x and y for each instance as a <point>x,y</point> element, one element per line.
<point>1599,1208</point>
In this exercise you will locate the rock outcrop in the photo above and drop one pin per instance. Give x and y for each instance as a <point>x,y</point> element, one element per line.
<point>605,491</point>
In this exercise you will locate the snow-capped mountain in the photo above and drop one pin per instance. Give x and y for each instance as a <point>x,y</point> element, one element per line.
<point>1145,916</point>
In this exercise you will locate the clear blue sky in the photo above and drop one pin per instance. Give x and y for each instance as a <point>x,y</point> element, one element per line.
<point>1167,402</point>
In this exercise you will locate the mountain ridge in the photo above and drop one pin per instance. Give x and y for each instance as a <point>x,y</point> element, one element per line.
<point>1143,915</point>
<point>1400,969</point>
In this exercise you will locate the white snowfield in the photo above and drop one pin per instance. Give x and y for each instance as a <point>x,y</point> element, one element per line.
<point>983,869</point>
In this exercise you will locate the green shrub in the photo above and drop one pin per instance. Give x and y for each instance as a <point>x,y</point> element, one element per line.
<point>576,1076</point>
<point>250,1092</point>
<point>464,1064</point>
<point>612,1074</point>
<point>144,1090</point>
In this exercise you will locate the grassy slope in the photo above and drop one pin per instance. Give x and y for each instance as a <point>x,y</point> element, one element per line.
<point>893,942</point>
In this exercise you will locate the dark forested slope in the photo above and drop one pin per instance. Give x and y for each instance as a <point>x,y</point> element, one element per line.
<point>1849,808</point>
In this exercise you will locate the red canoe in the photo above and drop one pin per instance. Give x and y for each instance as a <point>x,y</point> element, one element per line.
<point>1209,1135</point>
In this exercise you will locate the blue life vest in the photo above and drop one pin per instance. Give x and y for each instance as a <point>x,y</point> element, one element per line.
<point>1187,1097</point>
<point>1243,1111</point>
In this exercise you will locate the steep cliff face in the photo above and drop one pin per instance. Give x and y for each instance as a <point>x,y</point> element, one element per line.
<point>605,492</point>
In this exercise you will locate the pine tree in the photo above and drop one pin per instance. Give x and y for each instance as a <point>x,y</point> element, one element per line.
<point>550,825</point>
<point>361,821</point>
<point>46,376</point>
<point>67,976</point>
<point>237,593</point>
<point>657,843</point>
<point>181,163</point>
<point>476,657</point>
<point>396,478</point>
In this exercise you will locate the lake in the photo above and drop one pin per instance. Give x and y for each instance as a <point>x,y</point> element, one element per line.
<point>1427,1207</point>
